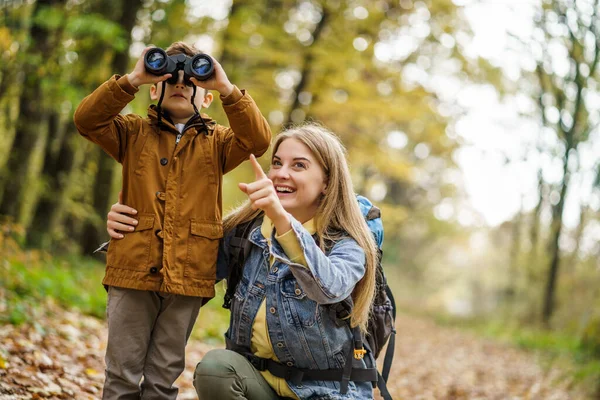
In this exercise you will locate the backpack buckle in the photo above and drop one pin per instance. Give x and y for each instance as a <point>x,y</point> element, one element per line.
<point>359,354</point>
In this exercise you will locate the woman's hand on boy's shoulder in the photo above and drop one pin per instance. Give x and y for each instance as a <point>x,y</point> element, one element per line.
<point>119,220</point>
<point>218,81</point>
<point>139,76</point>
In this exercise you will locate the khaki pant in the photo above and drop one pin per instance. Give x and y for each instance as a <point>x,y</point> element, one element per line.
<point>226,375</point>
<point>147,334</point>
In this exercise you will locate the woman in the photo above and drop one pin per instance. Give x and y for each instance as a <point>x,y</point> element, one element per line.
<point>311,250</point>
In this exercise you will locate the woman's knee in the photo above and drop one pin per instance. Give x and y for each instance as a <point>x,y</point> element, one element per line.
<point>218,362</point>
<point>216,373</point>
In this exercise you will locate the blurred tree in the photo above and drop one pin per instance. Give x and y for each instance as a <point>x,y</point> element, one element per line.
<point>13,37</point>
<point>94,230</point>
<point>572,30</point>
<point>93,37</point>
<point>40,69</point>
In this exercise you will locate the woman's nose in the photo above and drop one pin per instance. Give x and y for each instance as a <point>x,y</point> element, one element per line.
<point>281,172</point>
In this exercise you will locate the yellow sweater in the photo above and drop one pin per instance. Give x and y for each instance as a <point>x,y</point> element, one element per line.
<point>260,343</point>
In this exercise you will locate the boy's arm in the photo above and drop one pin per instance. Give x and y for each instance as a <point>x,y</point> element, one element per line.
<point>249,132</point>
<point>97,116</point>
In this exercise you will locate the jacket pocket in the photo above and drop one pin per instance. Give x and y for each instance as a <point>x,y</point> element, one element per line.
<point>133,251</point>
<point>299,309</point>
<point>203,247</point>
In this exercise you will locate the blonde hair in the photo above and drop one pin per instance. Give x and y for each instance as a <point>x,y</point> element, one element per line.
<point>338,213</point>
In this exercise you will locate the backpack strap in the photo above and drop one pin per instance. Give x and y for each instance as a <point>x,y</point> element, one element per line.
<point>297,375</point>
<point>240,247</point>
<point>389,352</point>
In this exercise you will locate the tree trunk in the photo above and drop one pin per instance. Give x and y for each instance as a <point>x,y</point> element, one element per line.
<point>572,261</point>
<point>307,66</point>
<point>515,251</point>
<point>58,162</point>
<point>32,126</point>
<point>11,84</point>
<point>535,218</point>
<point>93,233</point>
<point>557,226</point>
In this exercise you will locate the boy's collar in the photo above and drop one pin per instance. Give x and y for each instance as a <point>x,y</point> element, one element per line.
<point>170,125</point>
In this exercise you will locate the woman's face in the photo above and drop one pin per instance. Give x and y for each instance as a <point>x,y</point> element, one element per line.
<point>298,178</point>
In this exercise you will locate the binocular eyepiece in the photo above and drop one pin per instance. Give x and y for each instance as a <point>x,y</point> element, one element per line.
<point>200,66</point>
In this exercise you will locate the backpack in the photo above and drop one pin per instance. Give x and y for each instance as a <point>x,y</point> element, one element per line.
<point>382,318</point>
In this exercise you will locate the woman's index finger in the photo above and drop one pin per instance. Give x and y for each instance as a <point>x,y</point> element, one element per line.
<point>258,171</point>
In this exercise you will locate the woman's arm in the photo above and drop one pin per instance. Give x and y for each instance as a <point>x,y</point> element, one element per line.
<point>326,278</point>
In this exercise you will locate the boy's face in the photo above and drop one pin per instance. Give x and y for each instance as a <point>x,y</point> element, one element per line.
<point>177,99</point>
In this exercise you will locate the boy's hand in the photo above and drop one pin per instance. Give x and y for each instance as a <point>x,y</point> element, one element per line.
<point>262,195</point>
<point>139,75</point>
<point>218,81</point>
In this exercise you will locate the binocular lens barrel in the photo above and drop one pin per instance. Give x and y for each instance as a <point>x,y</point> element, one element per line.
<point>202,67</point>
<point>156,61</point>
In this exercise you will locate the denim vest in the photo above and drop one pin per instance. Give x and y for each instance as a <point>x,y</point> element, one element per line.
<point>302,330</point>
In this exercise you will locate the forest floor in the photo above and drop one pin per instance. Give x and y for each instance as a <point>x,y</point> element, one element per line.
<point>61,357</point>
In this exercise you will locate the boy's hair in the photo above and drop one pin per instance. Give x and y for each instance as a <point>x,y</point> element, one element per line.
<point>182,48</point>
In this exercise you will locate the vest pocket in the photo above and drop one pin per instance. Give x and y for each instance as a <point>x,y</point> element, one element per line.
<point>133,251</point>
<point>203,247</point>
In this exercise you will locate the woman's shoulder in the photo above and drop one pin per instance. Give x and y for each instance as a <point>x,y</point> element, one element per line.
<point>335,239</point>
<point>244,228</point>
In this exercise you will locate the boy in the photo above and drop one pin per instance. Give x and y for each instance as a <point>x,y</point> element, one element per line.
<point>173,163</point>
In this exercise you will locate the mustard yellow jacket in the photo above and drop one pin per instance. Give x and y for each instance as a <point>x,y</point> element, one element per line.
<point>176,188</point>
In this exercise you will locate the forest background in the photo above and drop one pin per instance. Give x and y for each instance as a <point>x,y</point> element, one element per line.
<point>397,80</point>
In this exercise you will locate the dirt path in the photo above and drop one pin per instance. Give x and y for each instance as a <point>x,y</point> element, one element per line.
<point>61,358</point>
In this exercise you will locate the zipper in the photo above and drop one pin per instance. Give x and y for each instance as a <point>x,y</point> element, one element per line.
<point>187,125</point>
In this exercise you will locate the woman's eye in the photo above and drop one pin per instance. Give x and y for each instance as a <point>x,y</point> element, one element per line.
<point>276,163</point>
<point>299,165</point>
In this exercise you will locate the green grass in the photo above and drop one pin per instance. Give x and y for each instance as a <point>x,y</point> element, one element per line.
<point>29,281</point>
<point>213,320</point>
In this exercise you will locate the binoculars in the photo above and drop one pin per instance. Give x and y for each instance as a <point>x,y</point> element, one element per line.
<point>200,66</point>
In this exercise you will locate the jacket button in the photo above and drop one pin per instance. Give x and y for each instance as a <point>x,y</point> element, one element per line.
<point>272,310</point>
<point>275,269</point>
<point>153,270</point>
<point>163,161</point>
<point>290,364</point>
<point>280,345</point>
<point>298,292</point>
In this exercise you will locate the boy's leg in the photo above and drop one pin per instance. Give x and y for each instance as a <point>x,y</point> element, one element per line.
<point>225,374</point>
<point>165,360</point>
<point>130,315</point>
